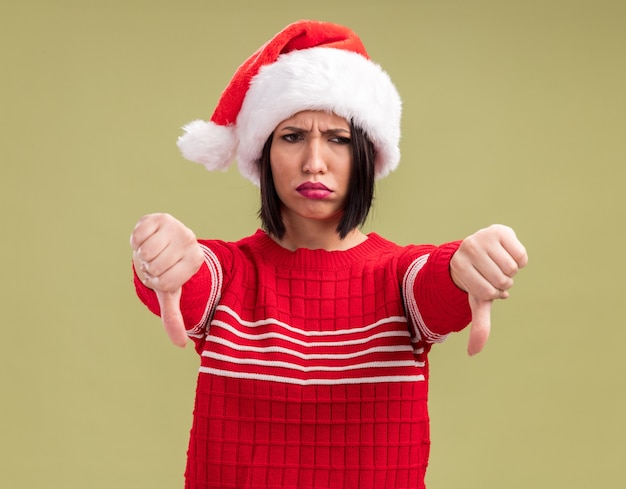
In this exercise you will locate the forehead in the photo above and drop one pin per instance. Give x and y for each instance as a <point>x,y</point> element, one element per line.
<point>310,118</point>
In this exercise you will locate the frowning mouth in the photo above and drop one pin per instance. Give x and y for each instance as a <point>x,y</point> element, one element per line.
<point>312,186</point>
<point>313,190</point>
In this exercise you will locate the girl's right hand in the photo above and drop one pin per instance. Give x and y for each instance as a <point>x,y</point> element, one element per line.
<point>166,254</point>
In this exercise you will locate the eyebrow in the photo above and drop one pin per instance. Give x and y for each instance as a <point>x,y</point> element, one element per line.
<point>336,130</point>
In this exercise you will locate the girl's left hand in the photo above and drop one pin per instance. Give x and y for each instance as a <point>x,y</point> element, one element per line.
<point>484,267</point>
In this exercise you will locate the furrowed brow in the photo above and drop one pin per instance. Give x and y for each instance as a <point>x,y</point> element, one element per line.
<point>338,130</point>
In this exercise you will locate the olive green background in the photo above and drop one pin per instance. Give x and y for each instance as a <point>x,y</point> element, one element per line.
<point>514,112</point>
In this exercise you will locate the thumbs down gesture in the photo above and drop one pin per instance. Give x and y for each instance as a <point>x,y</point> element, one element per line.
<point>166,254</point>
<point>484,267</point>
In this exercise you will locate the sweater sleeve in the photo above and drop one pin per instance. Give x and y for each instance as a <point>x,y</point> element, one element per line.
<point>200,294</point>
<point>435,305</point>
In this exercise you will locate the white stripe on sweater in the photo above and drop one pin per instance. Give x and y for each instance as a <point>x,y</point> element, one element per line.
<point>289,339</point>
<point>309,356</point>
<point>302,332</point>
<point>215,270</point>
<point>290,380</point>
<point>408,283</point>
<point>307,368</point>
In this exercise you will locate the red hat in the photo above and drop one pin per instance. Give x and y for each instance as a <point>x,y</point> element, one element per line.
<point>309,65</point>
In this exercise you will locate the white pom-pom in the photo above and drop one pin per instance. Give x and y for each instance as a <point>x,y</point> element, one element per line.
<point>209,144</point>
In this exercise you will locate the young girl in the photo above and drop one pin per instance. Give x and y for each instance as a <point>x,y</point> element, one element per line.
<point>313,336</point>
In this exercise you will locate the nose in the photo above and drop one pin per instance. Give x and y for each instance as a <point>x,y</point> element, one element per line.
<point>314,161</point>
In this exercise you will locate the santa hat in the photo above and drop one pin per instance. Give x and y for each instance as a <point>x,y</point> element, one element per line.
<point>308,65</point>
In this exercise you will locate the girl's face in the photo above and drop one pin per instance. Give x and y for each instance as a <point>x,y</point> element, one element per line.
<point>311,158</point>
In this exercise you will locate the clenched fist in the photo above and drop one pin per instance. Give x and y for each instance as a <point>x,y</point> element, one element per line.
<point>166,254</point>
<point>484,266</point>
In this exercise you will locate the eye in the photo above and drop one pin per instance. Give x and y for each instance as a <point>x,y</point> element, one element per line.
<point>292,137</point>
<point>341,140</point>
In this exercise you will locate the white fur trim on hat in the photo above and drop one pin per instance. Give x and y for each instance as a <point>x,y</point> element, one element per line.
<point>209,144</point>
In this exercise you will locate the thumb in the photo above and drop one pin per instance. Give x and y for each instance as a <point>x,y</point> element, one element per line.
<point>481,325</point>
<point>172,317</point>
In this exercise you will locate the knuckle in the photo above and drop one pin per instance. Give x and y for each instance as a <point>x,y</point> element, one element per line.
<point>522,258</point>
<point>500,228</point>
<point>510,269</point>
<point>139,255</point>
<point>470,245</point>
<point>504,283</point>
<point>161,216</point>
<point>198,256</point>
<point>189,237</point>
<point>157,219</point>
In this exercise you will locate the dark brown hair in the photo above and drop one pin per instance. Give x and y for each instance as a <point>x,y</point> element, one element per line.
<point>358,199</point>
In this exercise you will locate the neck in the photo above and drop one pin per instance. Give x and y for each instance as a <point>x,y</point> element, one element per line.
<point>318,235</point>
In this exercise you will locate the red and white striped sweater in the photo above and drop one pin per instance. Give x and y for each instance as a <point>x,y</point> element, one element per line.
<point>314,370</point>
